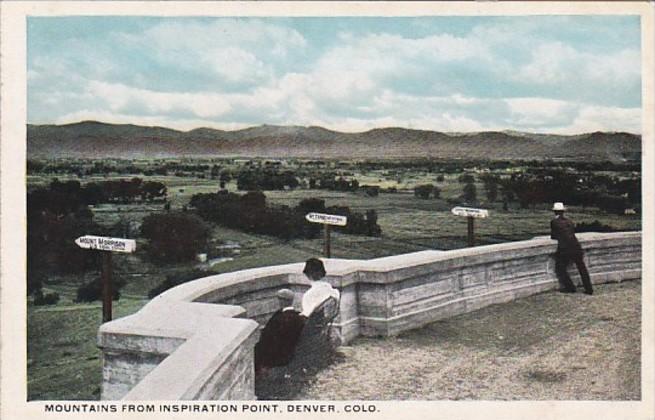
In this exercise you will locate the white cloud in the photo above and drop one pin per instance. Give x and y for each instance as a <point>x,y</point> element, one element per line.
<point>200,36</point>
<point>550,64</point>
<point>540,112</point>
<point>622,68</point>
<point>120,97</point>
<point>236,64</point>
<point>495,77</point>
<point>598,118</point>
<point>234,50</point>
<point>559,64</point>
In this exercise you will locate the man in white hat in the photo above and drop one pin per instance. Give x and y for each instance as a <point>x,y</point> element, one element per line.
<point>568,250</point>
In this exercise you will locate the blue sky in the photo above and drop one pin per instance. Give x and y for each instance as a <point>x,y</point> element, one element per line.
<point>560,74</point>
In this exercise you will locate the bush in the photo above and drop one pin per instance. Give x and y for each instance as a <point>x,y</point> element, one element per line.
<point>594,226</point>
<point>92,290</point>
<point>34,280</point>
<point>423,191</point>
<point>175,237</point>
<point>176,279</point>
<point>47,299</point>
<point>371,190</point>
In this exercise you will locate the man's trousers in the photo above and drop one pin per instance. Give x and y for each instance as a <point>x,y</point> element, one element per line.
<point>562,260</point>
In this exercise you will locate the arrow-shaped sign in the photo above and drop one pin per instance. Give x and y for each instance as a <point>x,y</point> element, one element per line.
<point>470,212</point>
<point>103,243</point>
<point>327,219</point>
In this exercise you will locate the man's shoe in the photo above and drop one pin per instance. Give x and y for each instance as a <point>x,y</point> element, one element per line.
<point>589,292</point>
<point>567,290</point>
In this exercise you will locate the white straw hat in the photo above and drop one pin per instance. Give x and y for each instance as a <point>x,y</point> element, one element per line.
<point>559,206</point>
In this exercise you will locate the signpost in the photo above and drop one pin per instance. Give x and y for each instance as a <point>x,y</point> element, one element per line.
<point>108,245</point>
<point>326,220</point>
<point>471,214</point>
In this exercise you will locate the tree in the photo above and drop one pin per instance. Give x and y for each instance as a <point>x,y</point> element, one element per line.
<point>55,218</point>
<point>373,229</point>
<point>175,237</point>
<point>470,193</point>
<point>151,190</point>
<point>309,205</point>
<point>423,191</point>
<point>507,193</point>
<point>490,186</point>
<point>466,179</point>
<point>491,190</point>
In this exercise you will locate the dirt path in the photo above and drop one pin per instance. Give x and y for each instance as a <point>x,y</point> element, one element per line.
<point>550,346</point>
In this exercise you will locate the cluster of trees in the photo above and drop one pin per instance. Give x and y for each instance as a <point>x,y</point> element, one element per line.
<point>59,214</point>
<point>334,182</point>
<point>175,236</point>
<point>123,191</point>
<point>266,180</point>
<point>63,196</point>
<point>610,194</point>
<point>330,181</point>
<point>543,185</point>
<point>452,166</point>
<point>358,223</point>
<point>56,216</point>
<point>85,167</point>
<point>249,212</point>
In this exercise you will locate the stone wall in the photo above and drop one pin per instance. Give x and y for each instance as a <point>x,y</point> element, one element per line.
<point>196,341</point>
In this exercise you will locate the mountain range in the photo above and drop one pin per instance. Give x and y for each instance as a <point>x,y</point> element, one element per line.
<point>92,139</point>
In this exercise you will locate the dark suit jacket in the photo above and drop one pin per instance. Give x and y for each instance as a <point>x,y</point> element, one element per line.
<point>563,230</point>
<point>278,339</point>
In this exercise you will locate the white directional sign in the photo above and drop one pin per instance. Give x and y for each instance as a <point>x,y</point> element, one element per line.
<point>103,243</point>
<point>470,212</point>
<point>326,219</point>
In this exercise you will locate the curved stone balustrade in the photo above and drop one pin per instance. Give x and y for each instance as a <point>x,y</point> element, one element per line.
<point>196,341</point>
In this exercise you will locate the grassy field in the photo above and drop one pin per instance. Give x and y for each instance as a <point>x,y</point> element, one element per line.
<point>63,362</point>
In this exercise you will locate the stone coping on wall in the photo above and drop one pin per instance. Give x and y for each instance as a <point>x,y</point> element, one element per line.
<point>207,345</point>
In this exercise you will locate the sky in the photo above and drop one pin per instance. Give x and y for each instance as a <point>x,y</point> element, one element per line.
<point>549,74</point>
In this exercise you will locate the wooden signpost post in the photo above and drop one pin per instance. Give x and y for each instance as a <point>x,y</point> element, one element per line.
<point>108,245</point>
<point>471,214</point>
<point>327,220</point>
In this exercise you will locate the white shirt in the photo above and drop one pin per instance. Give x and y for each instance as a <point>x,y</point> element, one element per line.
<point>317,294</point>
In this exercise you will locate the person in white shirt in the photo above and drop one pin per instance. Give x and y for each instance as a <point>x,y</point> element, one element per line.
<point>319,291</point>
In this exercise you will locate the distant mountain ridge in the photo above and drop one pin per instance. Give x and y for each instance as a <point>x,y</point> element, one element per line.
<point>92,139</point>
